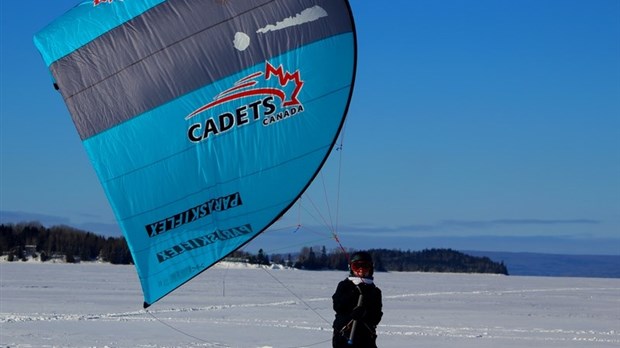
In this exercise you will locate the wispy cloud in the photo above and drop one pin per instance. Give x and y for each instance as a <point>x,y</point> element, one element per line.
<point>403,237</point>
<point>515,222</point>
<point>454,226</point>
<point>20,216</point>
<point>101,228</point>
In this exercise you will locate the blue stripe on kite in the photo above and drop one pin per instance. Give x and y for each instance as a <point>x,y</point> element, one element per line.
<point>84,23</point>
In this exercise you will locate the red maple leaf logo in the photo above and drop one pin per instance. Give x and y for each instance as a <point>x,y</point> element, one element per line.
<point>283,79</point>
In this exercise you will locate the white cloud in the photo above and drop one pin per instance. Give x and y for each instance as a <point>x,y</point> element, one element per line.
<point>308,15</point>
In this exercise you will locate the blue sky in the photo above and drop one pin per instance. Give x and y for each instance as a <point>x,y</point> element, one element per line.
<point>476,125</point>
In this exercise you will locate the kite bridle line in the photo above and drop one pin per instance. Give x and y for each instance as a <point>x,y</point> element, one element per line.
<point>334,227</point>
<point>213,344</point>
<point>344,251</point>
<point>321,216</point>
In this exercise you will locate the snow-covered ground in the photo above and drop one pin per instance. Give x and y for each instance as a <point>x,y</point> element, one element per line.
<point>100,305</point>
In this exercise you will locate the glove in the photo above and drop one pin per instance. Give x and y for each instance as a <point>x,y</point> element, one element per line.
<point>358,313</point>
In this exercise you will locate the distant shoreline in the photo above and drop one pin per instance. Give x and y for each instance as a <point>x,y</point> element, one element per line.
<point>556,265</point>
<point>519,264</point>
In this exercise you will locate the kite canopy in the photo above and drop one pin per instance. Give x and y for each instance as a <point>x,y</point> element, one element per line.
<point>205,120</point>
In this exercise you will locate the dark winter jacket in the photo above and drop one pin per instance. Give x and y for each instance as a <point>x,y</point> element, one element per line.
<point>345,299</point>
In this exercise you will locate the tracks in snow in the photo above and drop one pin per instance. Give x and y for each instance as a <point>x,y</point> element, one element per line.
<point>174,317</point>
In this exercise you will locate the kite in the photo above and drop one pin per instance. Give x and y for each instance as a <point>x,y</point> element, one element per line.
<point>204,120</point>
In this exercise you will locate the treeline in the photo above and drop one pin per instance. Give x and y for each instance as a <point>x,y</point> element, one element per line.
<point>306,259</point>
<point>435,260</point>
<point>19,241</point>
<point>428,260</point>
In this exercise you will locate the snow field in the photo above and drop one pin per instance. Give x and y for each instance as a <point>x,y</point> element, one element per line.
<point>100,305</point>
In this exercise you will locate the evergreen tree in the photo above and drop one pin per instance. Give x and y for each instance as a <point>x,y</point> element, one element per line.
<point>262,259</point>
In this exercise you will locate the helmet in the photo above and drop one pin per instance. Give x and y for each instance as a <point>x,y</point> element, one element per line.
<point>361,256</point>
<point>361,263</point>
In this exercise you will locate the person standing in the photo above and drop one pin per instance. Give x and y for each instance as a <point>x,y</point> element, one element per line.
<point>358,305</point>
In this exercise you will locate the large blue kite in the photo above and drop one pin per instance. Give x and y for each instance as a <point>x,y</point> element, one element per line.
<point>205,120</point>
